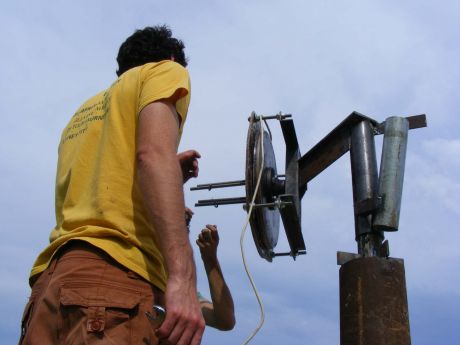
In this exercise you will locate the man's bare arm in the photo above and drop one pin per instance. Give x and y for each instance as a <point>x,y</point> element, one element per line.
<point>160,179</point>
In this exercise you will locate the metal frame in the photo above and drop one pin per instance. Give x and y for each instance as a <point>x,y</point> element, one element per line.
<point>355,134</point>
<point>373,299</point>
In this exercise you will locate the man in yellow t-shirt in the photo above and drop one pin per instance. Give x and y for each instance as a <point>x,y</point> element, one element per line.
<point>120,243</point>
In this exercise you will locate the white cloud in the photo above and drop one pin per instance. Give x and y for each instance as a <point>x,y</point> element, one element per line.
<point>446,152</point>
<point>436,170</point>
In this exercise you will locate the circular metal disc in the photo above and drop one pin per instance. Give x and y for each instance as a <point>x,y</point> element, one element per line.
<point>264,221</point>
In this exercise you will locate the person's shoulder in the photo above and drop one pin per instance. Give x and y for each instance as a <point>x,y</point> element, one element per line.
<point>163,66</point>
<point>91,101</point>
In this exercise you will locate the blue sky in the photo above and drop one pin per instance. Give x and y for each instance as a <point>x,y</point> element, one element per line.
<point>317,60</point>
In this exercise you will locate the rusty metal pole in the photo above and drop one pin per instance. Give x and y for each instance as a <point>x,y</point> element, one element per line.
<point>373,302</point>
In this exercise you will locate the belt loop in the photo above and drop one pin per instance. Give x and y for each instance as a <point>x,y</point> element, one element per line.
<point>53,263</point>
<point>132,275</point>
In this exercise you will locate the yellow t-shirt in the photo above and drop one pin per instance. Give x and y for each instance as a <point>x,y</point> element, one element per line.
<point>97,197</point>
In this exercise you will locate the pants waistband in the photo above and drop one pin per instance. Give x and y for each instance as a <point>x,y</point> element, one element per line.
<point>80,245</point>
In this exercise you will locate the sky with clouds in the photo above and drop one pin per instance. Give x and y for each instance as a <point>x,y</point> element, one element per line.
<point>316,60</point>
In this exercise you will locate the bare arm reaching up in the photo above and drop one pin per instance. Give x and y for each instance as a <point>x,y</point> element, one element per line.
<point>220,313</point>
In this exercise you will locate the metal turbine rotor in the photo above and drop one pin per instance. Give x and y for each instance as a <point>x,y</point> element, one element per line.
<point>277,196</point>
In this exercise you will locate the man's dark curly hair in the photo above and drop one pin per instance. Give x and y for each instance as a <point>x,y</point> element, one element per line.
<point>151,44</point>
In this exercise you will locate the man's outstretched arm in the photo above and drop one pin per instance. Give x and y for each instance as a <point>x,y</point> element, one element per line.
<point>160,179</point>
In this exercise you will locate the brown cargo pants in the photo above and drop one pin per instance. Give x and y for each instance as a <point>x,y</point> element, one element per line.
<point>85,297</point>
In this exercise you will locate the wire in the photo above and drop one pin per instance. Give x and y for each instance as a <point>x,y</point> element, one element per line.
<point>243,231</point>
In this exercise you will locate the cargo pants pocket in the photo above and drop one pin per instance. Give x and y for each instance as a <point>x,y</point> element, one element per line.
<point>97,314</point>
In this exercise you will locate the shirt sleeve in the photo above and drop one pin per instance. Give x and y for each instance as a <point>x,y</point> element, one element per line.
<point>165,80</point>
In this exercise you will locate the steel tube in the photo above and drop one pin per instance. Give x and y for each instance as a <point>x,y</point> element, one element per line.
<point>392,173</point>
<point>223,201</point>
<point>210,186</point>
<point>365,180</point>
<point>277,117</point>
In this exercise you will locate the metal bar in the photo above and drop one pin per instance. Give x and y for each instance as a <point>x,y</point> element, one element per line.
<point>210,186</point>
<point>223,201</point>
<point>276,117</point>
<point>289,134</point>
<point>292,166</point>
<point>392,173</point>
<point>300,252</point>
<point>329,149</point>
<point>415,121</point>
<point>365,181</point>
<point>279,116</point>
<point>292,214</point>
<point>292,225</point>
<point>278,204</point>
<point>367,206</point>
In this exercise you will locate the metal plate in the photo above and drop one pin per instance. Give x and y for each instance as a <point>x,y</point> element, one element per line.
<point>264,221</point>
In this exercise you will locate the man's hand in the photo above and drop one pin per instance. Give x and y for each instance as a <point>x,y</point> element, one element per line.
<point>208,240</point>
<point>184,323</point>
<point>188,161</point>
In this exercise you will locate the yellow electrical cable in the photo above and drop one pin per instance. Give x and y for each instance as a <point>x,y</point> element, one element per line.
<point>243,231</point>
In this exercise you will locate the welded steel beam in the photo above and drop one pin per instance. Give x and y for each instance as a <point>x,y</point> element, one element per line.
<point>329,149</point>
